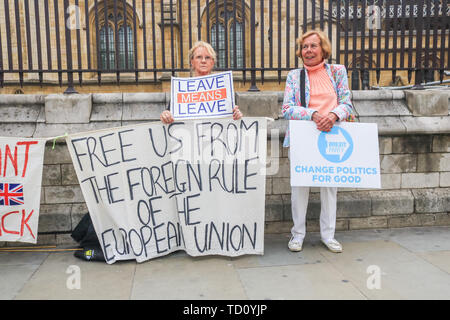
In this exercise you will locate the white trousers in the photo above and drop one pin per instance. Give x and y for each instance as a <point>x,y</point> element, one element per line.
<point>299,203</point>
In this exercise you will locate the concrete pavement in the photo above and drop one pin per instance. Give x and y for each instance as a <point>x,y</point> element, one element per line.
<point>407,263</point>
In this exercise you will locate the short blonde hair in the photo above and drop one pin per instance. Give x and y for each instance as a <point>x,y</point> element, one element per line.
<point>205,45</point>
<point>324,43</point>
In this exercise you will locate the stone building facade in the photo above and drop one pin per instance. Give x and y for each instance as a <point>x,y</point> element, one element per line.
<point>147,35</point>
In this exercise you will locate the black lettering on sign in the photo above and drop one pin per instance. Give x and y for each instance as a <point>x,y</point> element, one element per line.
<point>159,239</point>
<point>101,150</point>
<point>243,127</point>
<point>132,185</point>
<point>106,151</point>
<point>226,176</point>
<point>179,145</point>
<point>124,233</point>
<point>247,174</point>
<point>174,232</point>
<point>165,145</point>
<point>234,135</point>
<point>167,175</point>
<point>187,210</point>
<point>163,236</point>
<point>92,181</point>
<point>77,154</point>
<point>226,237</point>
<point>107,189</point>
<point>123,146</point>
<point>163,150</point>
<point>123,245</point>
<point>146,235</point>
<point>106,246</point>
<point>136,242</point>
<point>217,137</point>
<point>193,173</point>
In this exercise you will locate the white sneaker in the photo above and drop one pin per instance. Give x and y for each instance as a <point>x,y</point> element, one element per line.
<point>295,244</point>
<point>333,245</point>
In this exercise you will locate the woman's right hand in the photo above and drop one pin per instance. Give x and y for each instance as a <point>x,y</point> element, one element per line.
<point>324,123</point>
<point>166,117</point>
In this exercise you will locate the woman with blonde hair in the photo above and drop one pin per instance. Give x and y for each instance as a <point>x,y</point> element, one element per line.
<point>318,92</point>
<point>202,58</point>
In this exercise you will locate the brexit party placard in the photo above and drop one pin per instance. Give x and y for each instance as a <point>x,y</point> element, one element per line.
<point>21,163</point>
<point>197,186</point>
<point>347,156</point>
<point>209,96</point>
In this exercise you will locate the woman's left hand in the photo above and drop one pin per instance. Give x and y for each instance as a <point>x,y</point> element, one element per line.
<point>326,123</point>
<point>237,114</point>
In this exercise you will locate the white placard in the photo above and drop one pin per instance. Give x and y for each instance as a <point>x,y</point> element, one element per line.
<point>152,189</point>
<point>21,163</point>
<point>209,96</point>
<point>347,156</point>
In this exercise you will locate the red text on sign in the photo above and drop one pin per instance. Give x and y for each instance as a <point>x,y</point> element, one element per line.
<point>16,156</point>
<point>23,222</point>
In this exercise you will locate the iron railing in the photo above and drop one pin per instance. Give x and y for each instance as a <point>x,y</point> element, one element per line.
<point>75,41</point>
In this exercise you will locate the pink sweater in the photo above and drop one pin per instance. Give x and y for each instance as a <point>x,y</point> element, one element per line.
<point>323,98</point>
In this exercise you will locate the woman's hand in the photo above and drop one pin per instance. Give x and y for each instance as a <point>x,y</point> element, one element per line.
<point>237,114</point>
<point>166,117</point>
<point>324,123</point>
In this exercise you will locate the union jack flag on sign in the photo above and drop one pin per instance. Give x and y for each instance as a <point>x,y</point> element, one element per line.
<point>11,194</point>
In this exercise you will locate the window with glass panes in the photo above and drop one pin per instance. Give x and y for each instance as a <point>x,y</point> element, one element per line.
<point>108,38</point>
<point>234,29</point>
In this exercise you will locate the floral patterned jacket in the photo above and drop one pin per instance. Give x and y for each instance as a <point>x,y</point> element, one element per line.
<point>292,108</point>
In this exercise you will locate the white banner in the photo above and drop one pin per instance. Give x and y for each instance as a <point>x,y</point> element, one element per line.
<point>153,189</point>
<point>347,156</point>
<point>209,96</point>
<point>21,163</point>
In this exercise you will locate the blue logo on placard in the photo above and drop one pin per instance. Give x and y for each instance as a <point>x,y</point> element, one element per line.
<point>335,146</point>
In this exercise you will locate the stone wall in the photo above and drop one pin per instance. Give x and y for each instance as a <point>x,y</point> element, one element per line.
<point>414,142</point>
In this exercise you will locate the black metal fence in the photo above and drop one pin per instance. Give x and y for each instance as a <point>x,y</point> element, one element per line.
<point>73,41</point>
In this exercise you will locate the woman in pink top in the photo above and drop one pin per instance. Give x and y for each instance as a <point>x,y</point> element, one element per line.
<point>327,100</point>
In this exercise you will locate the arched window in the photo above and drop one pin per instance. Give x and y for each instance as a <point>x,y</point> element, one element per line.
<point>116,48</point>
<point>229,22</point>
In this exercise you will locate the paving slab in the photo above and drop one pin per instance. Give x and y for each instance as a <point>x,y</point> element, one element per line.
<point>16,268</point>
<point>415,239</point>
<point>385,270</point>
<point>422,239</point>
<point>180,276</point>
<point>439,259</point>
<point>97,280</point>
<point>276,253</point>
<point>297,282</point>
<point>13,278</point>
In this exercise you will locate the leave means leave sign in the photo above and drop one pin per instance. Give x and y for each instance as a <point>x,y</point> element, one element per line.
<point>209,96</point>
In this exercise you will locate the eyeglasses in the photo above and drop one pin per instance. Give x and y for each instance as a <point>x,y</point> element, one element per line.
<point>312,46</point>
<point>200,58</point>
